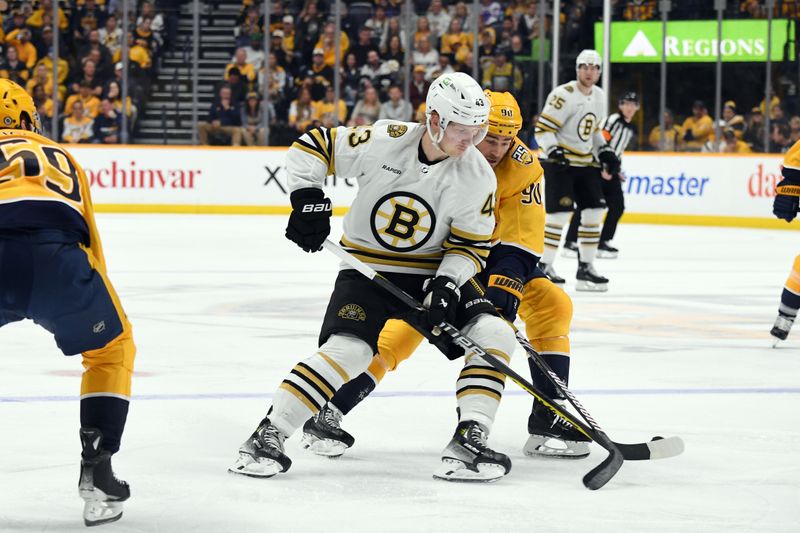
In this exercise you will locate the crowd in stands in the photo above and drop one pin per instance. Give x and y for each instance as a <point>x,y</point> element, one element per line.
<point>373,52</point>
<point>89,65</point>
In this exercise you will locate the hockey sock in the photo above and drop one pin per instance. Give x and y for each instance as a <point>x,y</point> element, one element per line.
<point>479,387</point>
<point>589,233</point>
<point>313,381</point>
<point>790,303</point>
<point>108,414</point>
<point>560,365</point>
<point>353,392</point>
<point>553,229</point>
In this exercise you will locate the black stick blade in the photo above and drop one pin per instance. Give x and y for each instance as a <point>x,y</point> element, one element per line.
<point>602,473</point>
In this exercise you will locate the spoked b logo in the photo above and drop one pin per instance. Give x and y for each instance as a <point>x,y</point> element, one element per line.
<point>402,221</point>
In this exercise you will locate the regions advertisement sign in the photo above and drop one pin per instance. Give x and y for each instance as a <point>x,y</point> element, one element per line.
<point>696,41</point>
<point>660,188</point>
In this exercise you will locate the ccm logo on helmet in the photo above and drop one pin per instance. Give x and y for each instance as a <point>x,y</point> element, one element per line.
<point>316,208</point>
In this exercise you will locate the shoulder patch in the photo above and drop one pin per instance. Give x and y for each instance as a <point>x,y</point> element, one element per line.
<point>396,130</point>
<point>569,88</point>
<point>522,154</point>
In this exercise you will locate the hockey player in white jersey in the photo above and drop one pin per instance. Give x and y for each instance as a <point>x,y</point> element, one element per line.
<point>568,132</point>
<point>423,217</point>
<point>618,130</point>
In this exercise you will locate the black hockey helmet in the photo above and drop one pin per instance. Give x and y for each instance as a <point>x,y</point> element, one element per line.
<point>629,96</point>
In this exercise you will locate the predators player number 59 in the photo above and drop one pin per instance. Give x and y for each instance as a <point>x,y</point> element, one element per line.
<point>52,271</point>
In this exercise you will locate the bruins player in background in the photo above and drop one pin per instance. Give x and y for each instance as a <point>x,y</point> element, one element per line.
<point>423,217</point>
<point>785,206</point>
<point>52,271</point>
<point>568,132</point>
<point>618,130</point>
<point>514,283</point>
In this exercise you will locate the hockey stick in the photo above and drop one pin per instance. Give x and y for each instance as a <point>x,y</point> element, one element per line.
<point>658,448</point>
<point>599,475</point>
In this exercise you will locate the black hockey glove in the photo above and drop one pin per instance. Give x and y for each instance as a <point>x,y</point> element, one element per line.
<point>787,199</point>
<point>505,292</point>
<point>609,160</point>
<point>310,221</point>
<point>557,156</point>
<point>442,341</point>
<point>441,300</point>
<point>688,135</point>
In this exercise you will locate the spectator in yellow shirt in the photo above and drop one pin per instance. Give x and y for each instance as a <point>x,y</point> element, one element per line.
<point>21,40</point>
<point>673,135</point>
<point>454,38</point>
<point>36,20</point>
<point>501,75</point>
<point>41,76</point>
<point>325,109</point>
<point>90,104</point>
<point>731,144</point>
<point>78,128</point>
<point>698,128</point>
<point>327,42</point>
<point>240,61</point>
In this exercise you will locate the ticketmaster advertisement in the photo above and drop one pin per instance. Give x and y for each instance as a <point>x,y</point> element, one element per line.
<point>659,188</point>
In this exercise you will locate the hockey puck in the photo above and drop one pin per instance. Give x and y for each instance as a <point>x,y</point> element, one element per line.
<point>657,438</point>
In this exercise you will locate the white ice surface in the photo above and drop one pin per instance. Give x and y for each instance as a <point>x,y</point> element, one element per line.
<point>224,306</point>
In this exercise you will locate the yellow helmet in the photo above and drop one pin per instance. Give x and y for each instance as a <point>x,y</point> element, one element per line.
<point>505,118</point>
<point>17,110</point>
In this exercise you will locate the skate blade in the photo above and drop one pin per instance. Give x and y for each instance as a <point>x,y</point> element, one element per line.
<point>96,513</point>
<point>457,471</point>
<point>588,286</point>
<point>555,449</point>
<point>247,465</point>
<point>606,255</point>
<point>332,449</point>
<point>777,342</point>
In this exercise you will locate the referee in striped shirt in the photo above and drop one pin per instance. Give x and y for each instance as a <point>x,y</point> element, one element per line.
<point>618,131</point>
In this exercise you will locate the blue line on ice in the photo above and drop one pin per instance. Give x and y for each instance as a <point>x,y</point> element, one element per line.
<point>427,394</point>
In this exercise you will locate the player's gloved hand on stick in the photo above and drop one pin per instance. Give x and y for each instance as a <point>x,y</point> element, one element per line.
<point>310,221</point>
<point>609,160</point>
<point>688,135</point>
<point>787,199</point>
<point>442,341</point>
<point>441,300</point>
<point>505,291</point>
<point>558,157</point>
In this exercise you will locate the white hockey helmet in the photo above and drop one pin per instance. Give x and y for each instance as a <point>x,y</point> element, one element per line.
<point>458,98</point>
<point>589,57</point>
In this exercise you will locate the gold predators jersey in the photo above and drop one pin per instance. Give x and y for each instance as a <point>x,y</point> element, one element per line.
<point>791,162</point>
<point>519,212</point>
<point>42,187</point>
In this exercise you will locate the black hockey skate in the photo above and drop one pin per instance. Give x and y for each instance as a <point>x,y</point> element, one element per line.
<point>570,249</point>
<point>100,489</point>
<point>262,454</point>
<point>468,458</point>
<point>323,433</point>
<point>606,251</point>
<point>550,272</point>
<point>780,330</point>
<point>589,280</point>
<point>552,436</point>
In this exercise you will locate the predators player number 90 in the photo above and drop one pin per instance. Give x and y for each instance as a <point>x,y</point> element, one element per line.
<point>52,271</point>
